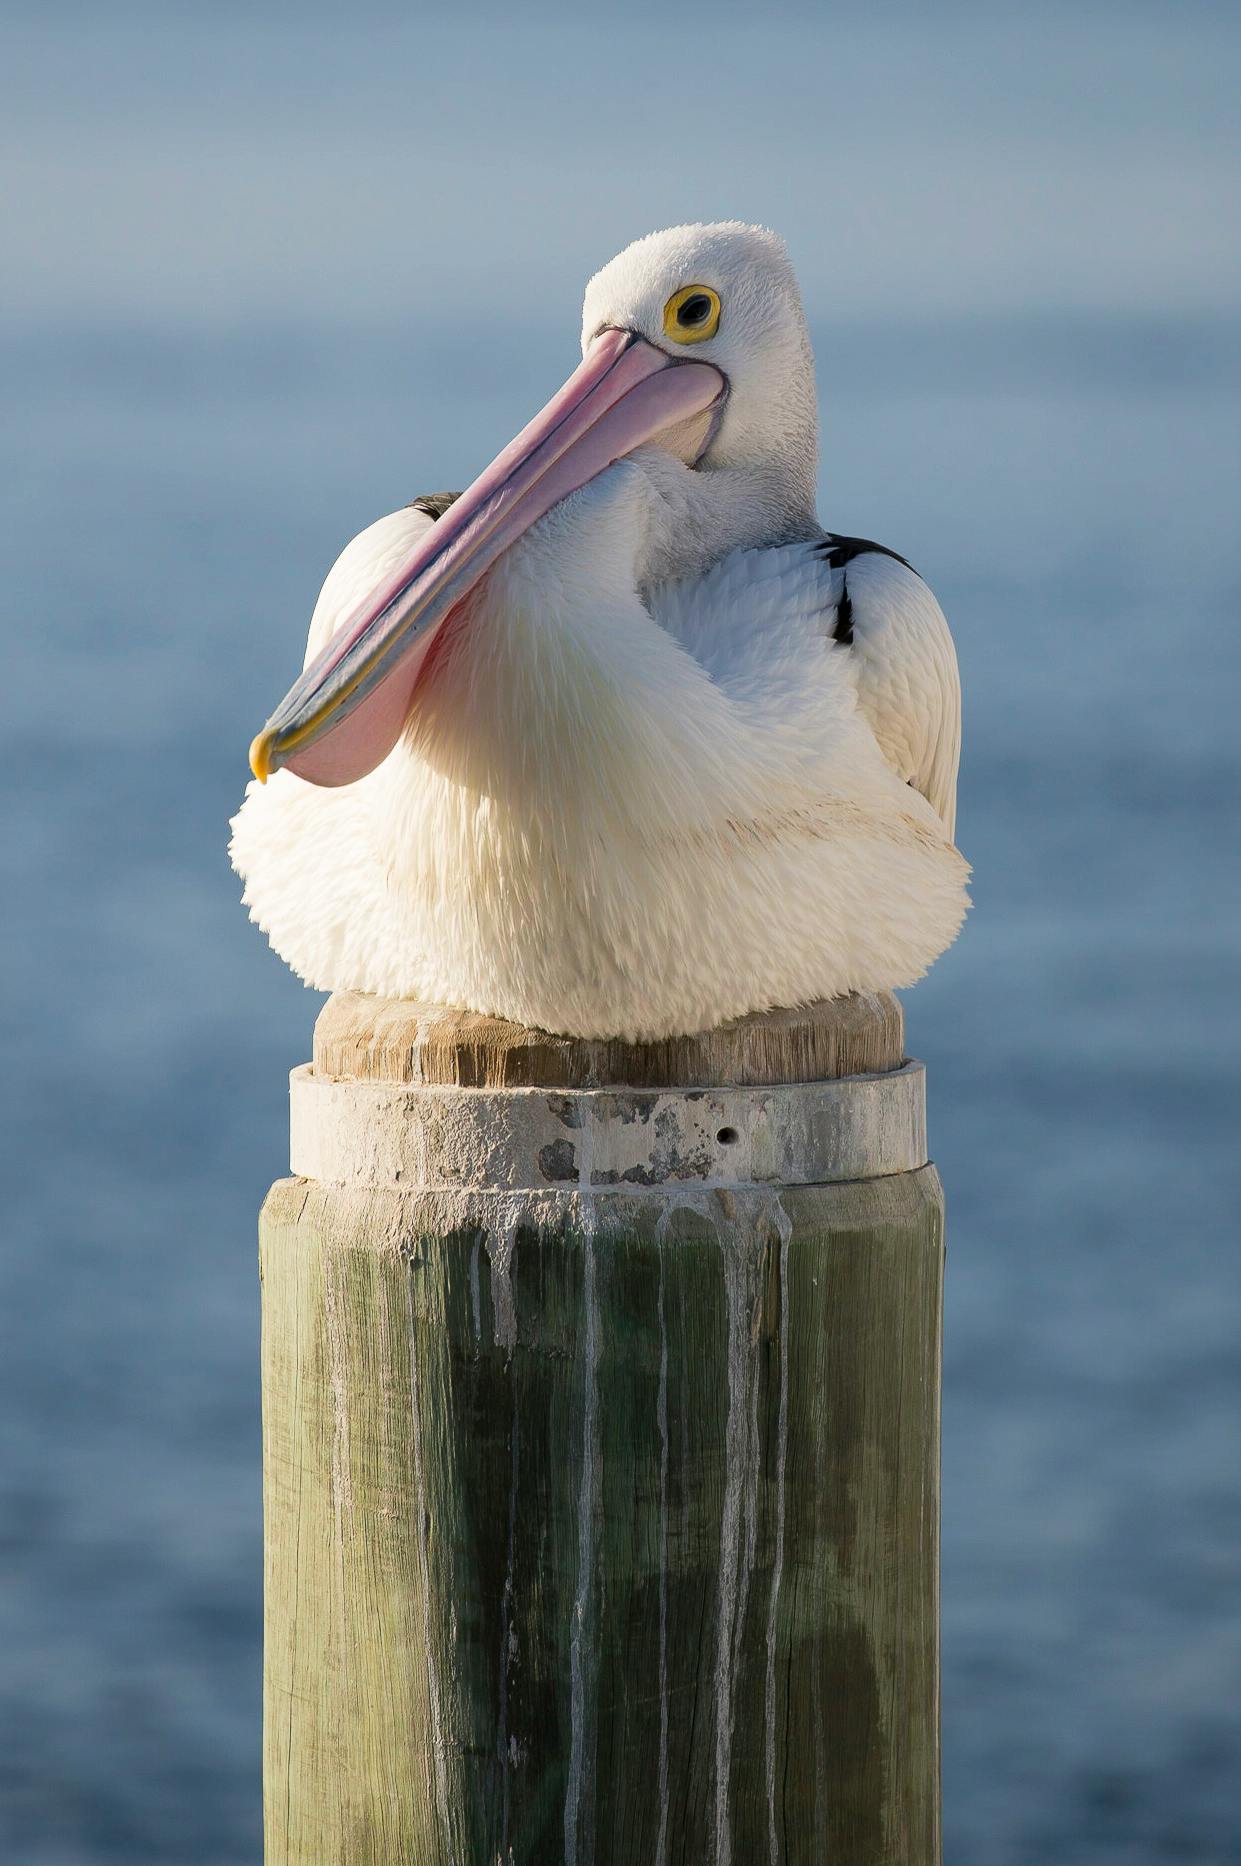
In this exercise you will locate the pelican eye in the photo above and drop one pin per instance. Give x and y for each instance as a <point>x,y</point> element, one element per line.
<point>692,314</point>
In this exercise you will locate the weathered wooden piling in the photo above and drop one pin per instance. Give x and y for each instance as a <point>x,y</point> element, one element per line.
<point>601,1444</point>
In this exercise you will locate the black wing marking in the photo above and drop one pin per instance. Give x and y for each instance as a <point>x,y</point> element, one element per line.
<point>843,631</point>
<point>434,504</point>
<point>839,550</point>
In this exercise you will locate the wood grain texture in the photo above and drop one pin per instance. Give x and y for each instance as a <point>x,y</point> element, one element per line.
<point>363,1038</point>
<point>602,1527</point>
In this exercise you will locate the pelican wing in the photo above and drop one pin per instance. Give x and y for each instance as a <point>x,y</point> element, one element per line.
<point>886,627</point>
<point>903,662</point>
<point>367,561</point>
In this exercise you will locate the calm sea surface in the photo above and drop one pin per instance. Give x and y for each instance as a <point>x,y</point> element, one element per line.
<point>177,479</point>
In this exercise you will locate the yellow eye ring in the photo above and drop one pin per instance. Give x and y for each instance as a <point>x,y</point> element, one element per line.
<point>692,314</point>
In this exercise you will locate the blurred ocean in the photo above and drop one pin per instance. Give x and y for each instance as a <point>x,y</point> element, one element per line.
<point>272,274</point>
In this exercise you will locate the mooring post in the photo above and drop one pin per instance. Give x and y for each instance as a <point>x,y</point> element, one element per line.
<point>601,1447</point>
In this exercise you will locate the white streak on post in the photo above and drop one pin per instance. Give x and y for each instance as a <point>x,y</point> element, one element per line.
<point>661,1414</point>
<point>424,1564</point>
<point>740,1488</point>
<point>342,1480</point>
<point>476,1303</point>
<point>784,1226</point>
<point>580,1761</point>
<point>500,1257</point>
<point>508,1634</point>
<point>751,1450</point>
<point>501,1248</point>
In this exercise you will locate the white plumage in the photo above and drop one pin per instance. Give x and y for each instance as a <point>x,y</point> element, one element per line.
<point>642,786</point>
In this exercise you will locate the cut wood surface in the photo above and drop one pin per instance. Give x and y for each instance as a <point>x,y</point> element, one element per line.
<point>363,1038</point>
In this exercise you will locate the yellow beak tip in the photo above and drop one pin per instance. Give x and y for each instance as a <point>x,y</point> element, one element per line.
<point>260,755</point>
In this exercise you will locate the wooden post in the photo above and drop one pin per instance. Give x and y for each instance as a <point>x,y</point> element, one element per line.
<point>601,1444</point>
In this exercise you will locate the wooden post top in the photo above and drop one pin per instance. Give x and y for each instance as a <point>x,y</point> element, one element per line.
<point>359,1037</point>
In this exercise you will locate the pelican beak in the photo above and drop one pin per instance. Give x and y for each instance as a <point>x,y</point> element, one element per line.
<point>345,714</point>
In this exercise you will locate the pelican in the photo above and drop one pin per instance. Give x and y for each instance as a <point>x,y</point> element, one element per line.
<point>620,741</point>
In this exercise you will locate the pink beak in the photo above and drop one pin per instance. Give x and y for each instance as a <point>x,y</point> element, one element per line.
<point>345,714</point>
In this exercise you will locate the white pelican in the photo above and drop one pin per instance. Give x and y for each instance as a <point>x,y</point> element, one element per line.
<point>620,742</point>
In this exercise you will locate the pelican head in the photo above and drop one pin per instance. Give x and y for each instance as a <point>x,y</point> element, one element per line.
<point>693,343</point>
<point>726,295</point>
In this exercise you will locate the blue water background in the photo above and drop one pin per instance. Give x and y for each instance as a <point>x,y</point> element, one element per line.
<point>271,273</point>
